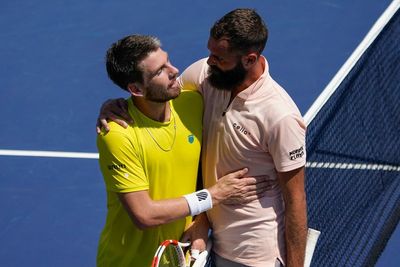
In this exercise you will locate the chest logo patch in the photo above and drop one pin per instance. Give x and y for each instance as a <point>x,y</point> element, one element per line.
<point>191,138</point>
<point>240,128</point>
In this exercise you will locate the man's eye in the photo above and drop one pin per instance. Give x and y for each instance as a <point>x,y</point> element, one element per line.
<point>159,71</point>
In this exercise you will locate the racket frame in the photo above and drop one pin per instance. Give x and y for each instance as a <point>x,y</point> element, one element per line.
<point>178,248</point>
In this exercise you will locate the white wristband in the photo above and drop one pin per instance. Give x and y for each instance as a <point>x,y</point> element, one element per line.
<point>199,201</point>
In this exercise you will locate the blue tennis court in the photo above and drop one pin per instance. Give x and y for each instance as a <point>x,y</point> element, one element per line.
<point>53,80</point>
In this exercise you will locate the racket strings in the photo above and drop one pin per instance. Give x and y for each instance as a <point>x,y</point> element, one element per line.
<point>169,254</point>
<point>172,253</point>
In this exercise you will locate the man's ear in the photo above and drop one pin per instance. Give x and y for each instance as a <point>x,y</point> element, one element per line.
<point>135,89</point>
<point>249,60</point>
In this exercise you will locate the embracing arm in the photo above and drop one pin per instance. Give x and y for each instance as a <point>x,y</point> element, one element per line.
<point>146,212</point>
<point>113,110</point>
<point>292,184</point>
<point>117,109</point>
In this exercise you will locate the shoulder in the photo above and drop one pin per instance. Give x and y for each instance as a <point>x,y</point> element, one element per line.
<point>197,66</point>
<point>194,75</point>
<point>280,104</point>
<point>190,101</point>
<point>188,96</point>
<point>116,139</point>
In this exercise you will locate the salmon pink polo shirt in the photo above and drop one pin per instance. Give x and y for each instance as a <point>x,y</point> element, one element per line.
<point>263,130</point>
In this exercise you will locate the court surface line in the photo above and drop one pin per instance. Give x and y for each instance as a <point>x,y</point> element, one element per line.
<point>50,154</point>
<point>312,164</point>
<point>352,166</point>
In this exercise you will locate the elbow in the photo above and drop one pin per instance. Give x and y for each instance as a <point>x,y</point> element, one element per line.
<point>142,226</point>
<point>146,222</point>
<point>143,211</point>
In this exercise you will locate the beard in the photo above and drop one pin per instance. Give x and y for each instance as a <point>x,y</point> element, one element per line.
<point>162,94</point>
<point>226,80</point>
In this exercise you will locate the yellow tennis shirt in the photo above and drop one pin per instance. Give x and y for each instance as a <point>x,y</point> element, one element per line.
<point>162,158</point>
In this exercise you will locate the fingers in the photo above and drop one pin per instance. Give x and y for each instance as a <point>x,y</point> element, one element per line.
<point>255,191</point>
<point>124,112</point>
<point>121,122</point>
<point>119,113</point>
<point>245,198</point>
<point>253,196</point>
<point>249,199</point>
<point>237,174</point>
<point>258,187</point>
<point>250,189</point>
<point>102,124</point>
<point>98,129</point>
<point>262,180</point>
<point>242,172</point>
<point>199,245</point>
<point>259,184</point>
<point>113,110</point>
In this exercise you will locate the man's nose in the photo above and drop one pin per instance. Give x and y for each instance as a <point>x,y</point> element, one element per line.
<point>173,71</point>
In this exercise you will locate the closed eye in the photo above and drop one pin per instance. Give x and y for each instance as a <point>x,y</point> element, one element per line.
<point>160,70</point>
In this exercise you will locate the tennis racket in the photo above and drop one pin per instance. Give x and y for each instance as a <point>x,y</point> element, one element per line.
<point>170,253</point>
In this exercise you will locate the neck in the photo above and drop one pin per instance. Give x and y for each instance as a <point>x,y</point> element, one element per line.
<point>253,75</point>
<point>154,110</point>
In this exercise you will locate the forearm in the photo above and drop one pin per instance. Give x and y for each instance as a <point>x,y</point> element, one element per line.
<point>147,213</point>
<point>292,184</point>
<point>295,233</point>
<point>166,211</point>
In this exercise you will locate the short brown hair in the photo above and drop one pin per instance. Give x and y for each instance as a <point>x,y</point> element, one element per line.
<point>124,56</point>
<point>244,29</point>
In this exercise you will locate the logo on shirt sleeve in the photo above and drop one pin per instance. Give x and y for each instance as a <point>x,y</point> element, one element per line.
<point>297,153</point>
<point>116,166</point>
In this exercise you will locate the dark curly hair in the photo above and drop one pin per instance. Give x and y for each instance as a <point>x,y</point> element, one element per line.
<point>243,28</point>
